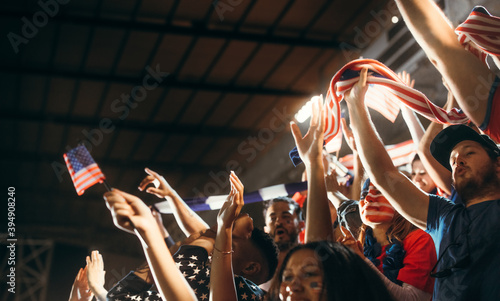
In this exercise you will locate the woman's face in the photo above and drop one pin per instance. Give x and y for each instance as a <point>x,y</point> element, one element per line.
<point>421,178</point>
<point>302,278</point>
<point>374,207</point>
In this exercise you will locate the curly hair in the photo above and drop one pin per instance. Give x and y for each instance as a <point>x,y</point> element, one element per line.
<point>268,249</point>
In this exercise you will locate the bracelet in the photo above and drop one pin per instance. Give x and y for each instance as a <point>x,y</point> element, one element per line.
<point>223,252</point>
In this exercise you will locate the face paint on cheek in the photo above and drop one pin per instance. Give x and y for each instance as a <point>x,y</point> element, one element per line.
<point>376,208</point>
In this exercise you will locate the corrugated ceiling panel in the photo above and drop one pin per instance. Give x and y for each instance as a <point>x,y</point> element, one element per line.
<point>37,52</point>
<point>87,100</point>
<point>230,62</point>
<point>200,59</point>
<point>226,109</point>
<point>123,144</point>
<point>291,67</point>
<point>261,64</point>
<point>171,105</point>
<point>52,135</point>
<point>73,40</point>
<point>199,107</point>
<point>192,10</point>
<point>195,148</point>
<point>170,148</point>
<point>144,109</point>
<point>136,53</point>
<point>263,15</point>
<point>28,136</point>
<point>148,146</point>
<point>32,91</point>
<point>170,52</point>
<point>154,11</point>
<point>104,50</point>
<point>252,111</point>
<point>60,95</point>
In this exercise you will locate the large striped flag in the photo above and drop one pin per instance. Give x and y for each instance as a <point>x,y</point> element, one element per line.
<point>387,82</point>
<point>83,169</point>
<point>480,33</point>
<point>401,153</point>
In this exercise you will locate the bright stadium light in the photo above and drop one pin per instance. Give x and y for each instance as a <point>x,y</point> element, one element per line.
<point>305,111</point>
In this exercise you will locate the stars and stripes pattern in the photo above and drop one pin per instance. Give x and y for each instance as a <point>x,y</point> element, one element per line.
<point>216,202</point>
<point>480,33</point>
<point>82,168</point>
<point>401,153</point>
<point>394,88</point>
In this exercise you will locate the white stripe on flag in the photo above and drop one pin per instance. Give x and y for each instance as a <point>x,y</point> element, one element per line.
<point>272,192</point>
<point>216,201</point>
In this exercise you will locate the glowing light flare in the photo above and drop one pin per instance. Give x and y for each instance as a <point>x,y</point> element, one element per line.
<point>305,112</point>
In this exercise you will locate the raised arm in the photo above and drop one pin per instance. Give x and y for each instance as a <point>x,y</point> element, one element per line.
<point>132,215</point>
<point>95,275</point>
<point>189,222</point>
<point>403,195</point>
<point>222,286</point>
<point>410,117</point>
<point>359,172</point>
<point>80,290</point>
<point>439,174</point>
<point>318,219</point>
<point>467,77</point>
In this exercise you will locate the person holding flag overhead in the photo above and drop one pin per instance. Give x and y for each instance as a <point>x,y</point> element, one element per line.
<point>463,69</point>
<point>466,235</point>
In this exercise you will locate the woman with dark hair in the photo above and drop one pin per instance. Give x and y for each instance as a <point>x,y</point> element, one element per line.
<point>326,271</point>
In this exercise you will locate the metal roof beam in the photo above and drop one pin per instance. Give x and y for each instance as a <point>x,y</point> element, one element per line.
<point>174,29</point>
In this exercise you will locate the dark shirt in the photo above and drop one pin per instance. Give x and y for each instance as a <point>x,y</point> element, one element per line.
<point>460,233</point>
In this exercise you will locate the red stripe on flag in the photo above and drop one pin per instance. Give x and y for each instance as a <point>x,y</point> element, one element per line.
<point>480,32</point>
<point>393,87</point>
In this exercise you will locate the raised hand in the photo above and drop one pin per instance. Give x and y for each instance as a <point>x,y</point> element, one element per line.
<point>349,137</point>
<point>356,95</point>
<point>95,275</point>
<point>128,211</point>
<point>231,209</point>
<point>405,76</point>
<point>310,146</point>
<point>349,241</point>
<point>80,290</point>
<point>162,189</point>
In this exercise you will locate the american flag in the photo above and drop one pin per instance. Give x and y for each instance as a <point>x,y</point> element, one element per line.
<point>401,153</point>
<point>480,33</point>
<point>83,169</point>
<point>385,82</point>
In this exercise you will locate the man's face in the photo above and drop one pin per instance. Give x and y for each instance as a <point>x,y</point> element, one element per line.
<point>283,224</point>
<point>473,171</point>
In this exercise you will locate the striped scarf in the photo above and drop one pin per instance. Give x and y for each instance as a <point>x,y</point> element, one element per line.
<point>387,82</point>
<point>480,33</point>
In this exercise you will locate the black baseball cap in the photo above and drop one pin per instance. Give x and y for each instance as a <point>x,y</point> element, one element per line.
<point>447,139</point>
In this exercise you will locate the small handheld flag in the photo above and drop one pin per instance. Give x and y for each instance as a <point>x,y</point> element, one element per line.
<point>83,169</point>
